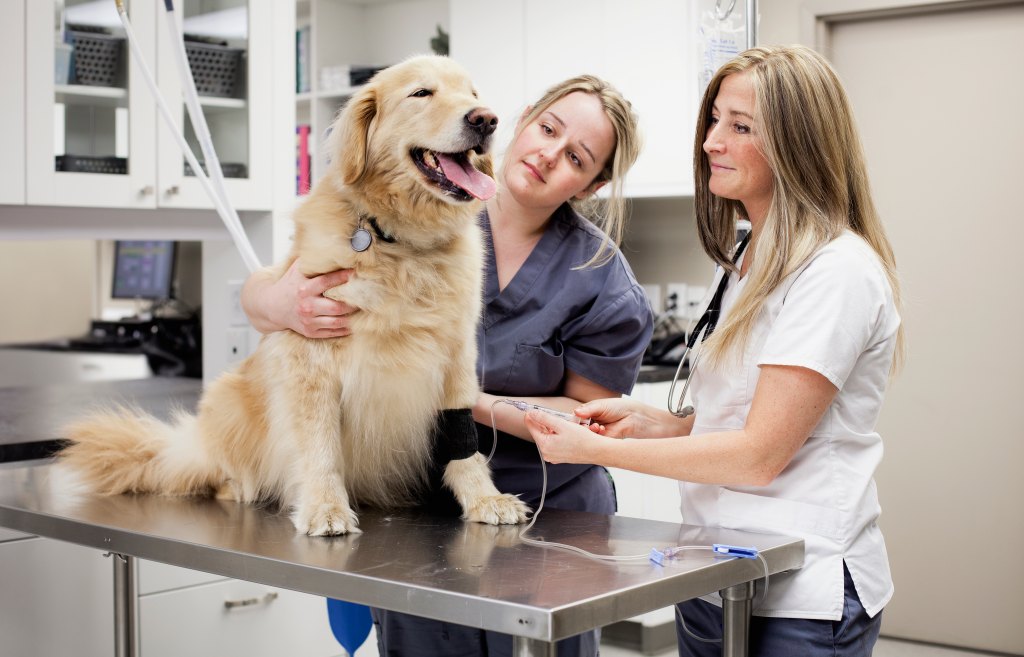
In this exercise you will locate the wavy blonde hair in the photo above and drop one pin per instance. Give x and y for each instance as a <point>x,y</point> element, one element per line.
<point>820,183</point>
<point>609,214</point>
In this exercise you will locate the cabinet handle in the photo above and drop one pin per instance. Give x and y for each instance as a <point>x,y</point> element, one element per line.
<point>171,191</point>
<point>146,191</point>
<point>249,602</point>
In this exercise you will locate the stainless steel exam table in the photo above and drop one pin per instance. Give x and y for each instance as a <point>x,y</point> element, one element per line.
<point>431,566</point>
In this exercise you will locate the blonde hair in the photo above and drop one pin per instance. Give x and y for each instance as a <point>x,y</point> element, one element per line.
<point>820,183</point>
<point>609,214</point>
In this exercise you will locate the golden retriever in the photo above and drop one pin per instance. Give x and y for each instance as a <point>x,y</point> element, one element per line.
<point>321,425</point>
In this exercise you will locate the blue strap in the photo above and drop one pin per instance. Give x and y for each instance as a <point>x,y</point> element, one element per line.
<point>350,623</point>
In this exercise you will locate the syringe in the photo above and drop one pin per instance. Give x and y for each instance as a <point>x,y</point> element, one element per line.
<point>568,417</point>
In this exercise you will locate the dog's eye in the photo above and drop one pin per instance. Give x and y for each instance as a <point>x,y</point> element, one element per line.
<point>421,93</point>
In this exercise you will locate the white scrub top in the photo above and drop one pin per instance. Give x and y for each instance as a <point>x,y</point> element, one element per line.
<point>836,316</point>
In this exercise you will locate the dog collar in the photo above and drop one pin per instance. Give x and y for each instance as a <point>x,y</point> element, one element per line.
<point>362,239</point>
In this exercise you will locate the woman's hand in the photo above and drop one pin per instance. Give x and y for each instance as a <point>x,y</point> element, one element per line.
<point>297,303</point>
<point>627,418</point>
<point>560,441</point>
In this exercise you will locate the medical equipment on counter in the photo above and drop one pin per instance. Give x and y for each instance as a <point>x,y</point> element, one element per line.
<point>215,190</point>
<point>705,326</point>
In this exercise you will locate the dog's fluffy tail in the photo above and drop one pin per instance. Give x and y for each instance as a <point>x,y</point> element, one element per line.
<point>125,450</point>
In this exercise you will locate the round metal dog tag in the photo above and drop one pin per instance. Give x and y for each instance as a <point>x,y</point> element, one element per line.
<point>361,239</point>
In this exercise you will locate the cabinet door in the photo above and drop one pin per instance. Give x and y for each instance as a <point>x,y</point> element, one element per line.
<point>650,58</point>
<point>55,599</point>
<point>12,105</point>
<point>230,42</point>
<point>100,119</point>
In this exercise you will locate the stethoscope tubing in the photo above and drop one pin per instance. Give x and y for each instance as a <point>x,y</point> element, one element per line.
<point>705,326</point>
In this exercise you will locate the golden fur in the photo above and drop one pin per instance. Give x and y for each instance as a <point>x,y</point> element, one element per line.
<point>323,425</point>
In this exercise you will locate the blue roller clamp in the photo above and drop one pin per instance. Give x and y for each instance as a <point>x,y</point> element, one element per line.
<point>350,623</point>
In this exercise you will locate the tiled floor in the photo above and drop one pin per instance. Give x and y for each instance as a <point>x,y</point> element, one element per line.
<point>884,648</point>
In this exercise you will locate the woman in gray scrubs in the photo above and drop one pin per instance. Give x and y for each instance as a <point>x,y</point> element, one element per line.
<point>564,319</point>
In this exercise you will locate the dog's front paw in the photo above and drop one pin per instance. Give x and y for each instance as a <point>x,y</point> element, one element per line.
<point>325,520</point>
<point>497,510</point>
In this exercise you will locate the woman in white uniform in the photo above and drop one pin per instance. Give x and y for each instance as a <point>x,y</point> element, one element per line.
<point>788,388</point>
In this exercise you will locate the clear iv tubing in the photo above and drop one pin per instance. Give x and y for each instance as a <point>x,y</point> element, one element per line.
<point>669,552</point>
<point>230,219</point>
<point>195,112</point>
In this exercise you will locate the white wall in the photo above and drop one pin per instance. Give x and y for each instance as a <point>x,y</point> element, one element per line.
<point>661,244</point>
<point>46,289</point>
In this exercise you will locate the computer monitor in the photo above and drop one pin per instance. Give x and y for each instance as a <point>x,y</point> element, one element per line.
<point>143,270</point>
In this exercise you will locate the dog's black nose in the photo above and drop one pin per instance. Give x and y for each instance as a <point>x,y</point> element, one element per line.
<point>482,121</point>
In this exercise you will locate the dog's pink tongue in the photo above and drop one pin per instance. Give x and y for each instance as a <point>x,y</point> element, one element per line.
<point>465,176</point>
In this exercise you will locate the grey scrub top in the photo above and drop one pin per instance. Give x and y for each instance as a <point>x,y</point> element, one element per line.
<point>551,318</point>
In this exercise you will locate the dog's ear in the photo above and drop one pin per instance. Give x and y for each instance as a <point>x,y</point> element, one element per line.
<point>351,135</point>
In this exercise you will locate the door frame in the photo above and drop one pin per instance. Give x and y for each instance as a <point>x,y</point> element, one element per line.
<point>817,16</point>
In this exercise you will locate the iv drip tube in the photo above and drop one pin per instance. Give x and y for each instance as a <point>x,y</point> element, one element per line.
<point>195,112</point>
<point>231,221</point>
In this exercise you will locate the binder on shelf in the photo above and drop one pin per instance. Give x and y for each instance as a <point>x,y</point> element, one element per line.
<point>302,36</point>
<point>302,159</point>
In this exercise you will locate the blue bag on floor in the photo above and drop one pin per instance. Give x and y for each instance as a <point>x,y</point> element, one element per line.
<point>350,623</point>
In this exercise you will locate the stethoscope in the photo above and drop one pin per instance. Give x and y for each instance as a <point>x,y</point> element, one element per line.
<point>703,330</point>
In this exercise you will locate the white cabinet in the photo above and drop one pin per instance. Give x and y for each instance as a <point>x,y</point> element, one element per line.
<point>109,131</point>
<point>651,58</point>
<point>58,599</point>
<point>641,495</point>
<point>12,105</point>
<point>643,47</point>
<point>342,34</point>
<point>55,599</point>
<point>188,612</point>
<point>234,618</point>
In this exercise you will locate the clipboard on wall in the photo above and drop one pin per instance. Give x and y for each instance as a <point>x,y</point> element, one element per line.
<point>725,28</point>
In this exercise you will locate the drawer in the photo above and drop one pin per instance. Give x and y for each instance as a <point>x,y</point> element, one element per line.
<point>196,622</point>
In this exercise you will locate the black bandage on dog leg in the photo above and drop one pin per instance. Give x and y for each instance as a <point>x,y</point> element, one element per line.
<point>454,436</point>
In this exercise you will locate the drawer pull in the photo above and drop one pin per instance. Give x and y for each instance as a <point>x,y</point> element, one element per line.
<point>248,602</point>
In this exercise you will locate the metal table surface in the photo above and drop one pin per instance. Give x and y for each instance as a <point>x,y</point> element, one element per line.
<point>442,568</point>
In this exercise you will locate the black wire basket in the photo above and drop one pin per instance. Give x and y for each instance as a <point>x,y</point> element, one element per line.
<point>215,68</point>
<point>97,58</point>
<point>89,164</point>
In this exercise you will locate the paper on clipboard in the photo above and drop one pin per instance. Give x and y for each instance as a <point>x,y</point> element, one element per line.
<point>721,35</point>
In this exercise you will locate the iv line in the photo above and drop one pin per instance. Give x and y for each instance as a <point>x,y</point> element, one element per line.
<point>230,219</point>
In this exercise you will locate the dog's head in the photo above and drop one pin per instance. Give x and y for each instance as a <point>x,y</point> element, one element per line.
<point>417,129</point>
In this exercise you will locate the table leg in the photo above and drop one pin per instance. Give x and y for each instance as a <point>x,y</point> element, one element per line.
<point>737,604</point>
<point>523,647</point>
<point>126,606</point>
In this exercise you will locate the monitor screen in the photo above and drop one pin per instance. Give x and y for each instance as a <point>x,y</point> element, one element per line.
<point>143,270</point>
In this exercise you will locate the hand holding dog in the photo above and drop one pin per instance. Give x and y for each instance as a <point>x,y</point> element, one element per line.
<point>296,302</point>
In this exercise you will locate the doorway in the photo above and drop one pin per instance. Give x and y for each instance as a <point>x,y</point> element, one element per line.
<point>937,94</point>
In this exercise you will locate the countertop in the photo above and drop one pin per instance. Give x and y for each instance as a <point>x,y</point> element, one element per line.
<point>31,417</point>
<point>659,373</point>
